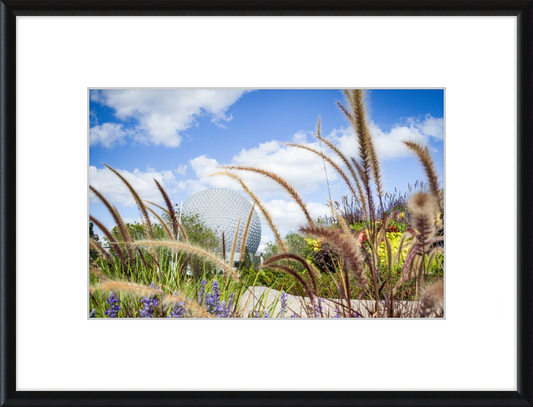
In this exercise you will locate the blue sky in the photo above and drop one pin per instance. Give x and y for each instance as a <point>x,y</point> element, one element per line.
<point>180,136</point>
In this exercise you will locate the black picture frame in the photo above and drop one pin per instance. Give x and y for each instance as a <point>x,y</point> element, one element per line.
<point>9,10</point>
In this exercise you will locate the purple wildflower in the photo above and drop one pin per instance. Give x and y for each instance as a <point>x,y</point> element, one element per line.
<point>114,305</point>
<point>317,309</point>
<point>257,314</point>
<point>148,305</point>
<point>201,292</point>
<point>222,309</point>
<point>294,315</point>
<point>283,300</point>
<point>229,306</point>
<point>178,310</point>
<point>212,301</point>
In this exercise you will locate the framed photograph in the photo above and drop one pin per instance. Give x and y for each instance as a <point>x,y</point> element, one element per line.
<point>249,175</point>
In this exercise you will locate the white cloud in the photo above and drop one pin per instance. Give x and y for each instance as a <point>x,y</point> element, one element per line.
<point>301,169</point>
<point>114,189</point>
<point>389,145</point>
<point>300,138</point>
<point>108,135</point>
<point>181,170</point>
<point>287,215</point>
<point>432,126</point>
<point>163,113</point>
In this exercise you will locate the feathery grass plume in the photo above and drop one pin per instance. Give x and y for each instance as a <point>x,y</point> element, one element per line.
<point>423,210</point>
<point>291,256</point>
<point>97,271</point>
<point>180,226</point>
<point>339,170</point>
<point>425,159</point>
<point>138,200</point>
<point>345,111</point>
<point>340,154</point>
<point>194,250</point>
<point>127,288</point>
<point>234,245</point>
<point>407,266</point>
<point>146,291</point>
<point>348,232</point>
<point>365,137</point>
<point>358,120</point>
<point>292,192</point>
<point>93,244</point>
<point>360,170</point>
<point>112,241</point>
<point>171,212</point>
<point>349,251</point>
<point>355,243</point>
<point>163,223</point>
<point>246,229</point>
<point>118,219</point>
<point>261,207</point>
<point>432,299</point>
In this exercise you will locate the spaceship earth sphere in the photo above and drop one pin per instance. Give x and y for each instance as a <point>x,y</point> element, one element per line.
<point>220,209</point>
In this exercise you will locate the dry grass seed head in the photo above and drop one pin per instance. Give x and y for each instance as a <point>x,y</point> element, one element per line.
<point>93,244</point>
<point>425,159</point>
<point>345,246</point>
<point>138,200</point>
<point>127,288</point>
<point>112,241</point>
<point>170,208</point>
<point>366,143</point>
<point>97,272</point>
<point>116,216</point>
<point>432,298</point>
<point>142,290</point>
<point>423,210</point>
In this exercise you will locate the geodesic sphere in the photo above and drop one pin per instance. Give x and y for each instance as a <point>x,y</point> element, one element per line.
<point>220,209</point>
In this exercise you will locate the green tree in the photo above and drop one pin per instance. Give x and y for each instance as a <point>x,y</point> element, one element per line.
<point>295,243</point>
<point>197,233</point>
